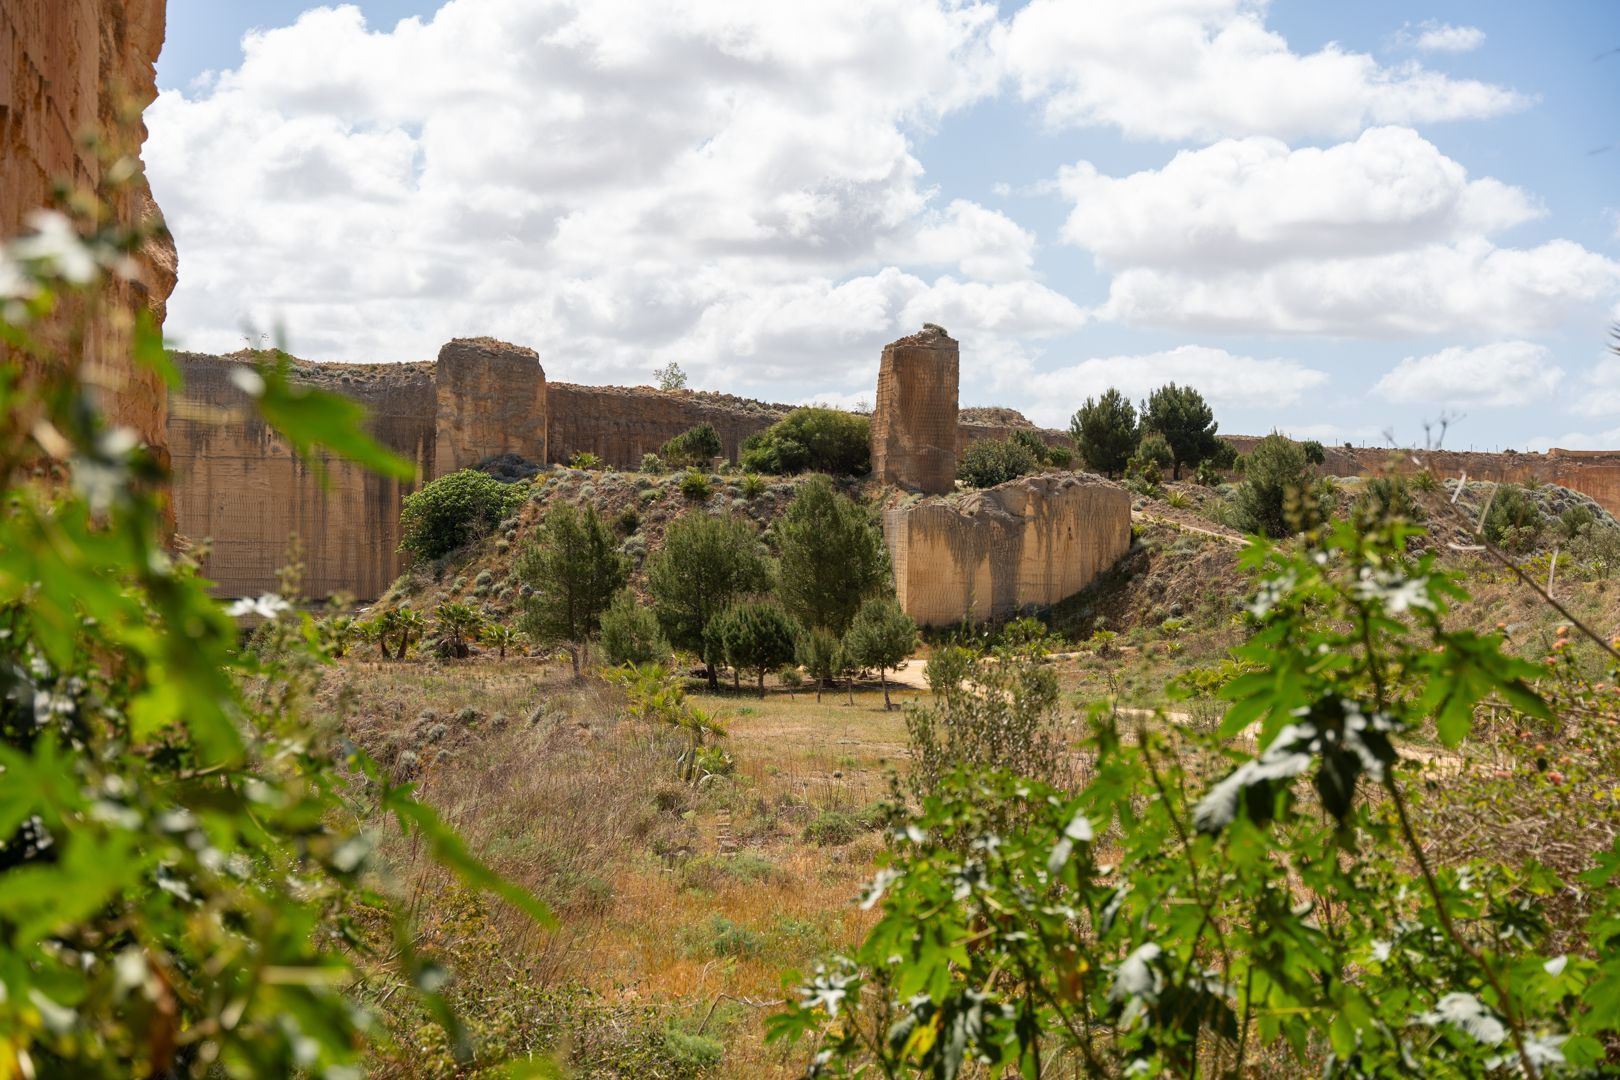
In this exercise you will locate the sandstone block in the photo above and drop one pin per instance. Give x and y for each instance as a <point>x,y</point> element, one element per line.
<point>491,400</point>
<point>914,429</point>
<point>1025,544</point>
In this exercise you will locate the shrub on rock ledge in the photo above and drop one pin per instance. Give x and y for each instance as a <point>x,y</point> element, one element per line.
<point>989,462</point>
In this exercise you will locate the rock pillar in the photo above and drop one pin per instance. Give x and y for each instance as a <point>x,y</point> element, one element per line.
<point>492,401</point>
<point>70,68</point>
<point>914,424</point>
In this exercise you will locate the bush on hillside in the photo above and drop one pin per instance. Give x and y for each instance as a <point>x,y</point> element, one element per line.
<point>1276,497</point>
<point>1514,521</point>
<point>812,439</point>
<point>696,446</point>
<point>454,510</point>
<point>989,462</point>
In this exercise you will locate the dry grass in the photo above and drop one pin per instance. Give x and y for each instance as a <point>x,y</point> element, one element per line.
<point>668,895</point>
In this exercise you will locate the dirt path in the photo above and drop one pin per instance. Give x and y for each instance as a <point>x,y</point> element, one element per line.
<point>1230,538</point>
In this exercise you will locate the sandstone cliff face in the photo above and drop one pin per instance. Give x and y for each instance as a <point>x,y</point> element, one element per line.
<point>238,485</point>
<point>914,427</point>
<point>620,424</point>
<point>70,68</point>
<point>1025,544</point>
<point>491,400</point>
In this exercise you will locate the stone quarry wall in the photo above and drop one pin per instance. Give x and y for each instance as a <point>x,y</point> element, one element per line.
<point>1025,544</point>
<point>915,433</point>
<point>1595,473</point>
<point>238,485</point>
<point>70,68</point>
<point>619,424</point>
<point>491,400</point>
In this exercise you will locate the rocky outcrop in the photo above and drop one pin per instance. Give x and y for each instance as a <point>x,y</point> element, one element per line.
<point>1023,545</point>
<point>491,400</point>
<point>70,68</point>
<point>914,429</point>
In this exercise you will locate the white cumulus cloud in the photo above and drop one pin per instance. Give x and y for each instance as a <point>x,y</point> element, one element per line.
<point>614,183</point>
<point>1432,35</point>
<point>1256,201</point>
<point>1223,378</point>
<point>1380,237</point>
<point>1202,69</point>
<point>1503,374</point>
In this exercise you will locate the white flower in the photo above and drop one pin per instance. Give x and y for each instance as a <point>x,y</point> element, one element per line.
<point>248,381</point>
<point>15,282</point>
<point>56,243</point>
<point>267,606</point>
<point>880,885</point>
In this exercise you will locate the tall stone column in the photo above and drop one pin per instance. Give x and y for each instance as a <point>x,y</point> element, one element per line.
<point>491,401</point>
<point>914,424</point>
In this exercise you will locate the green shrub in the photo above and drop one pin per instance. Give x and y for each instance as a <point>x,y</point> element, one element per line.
<point>832,828</point>
<point>1514,521</point>
<point>812,439</point>
<point>1315,452</point>
<point>753,485</point>
<point>692,1053</point>
<point>652,463</point>
<point>631,634</point>
<point>627,521</point>
<point>584,459</point>
<point>695,485</point>
<point>1275,496</point>
<point>1060,457</point>
<point>1576,520</point>
<point>1388,498</point>
<point>989,462</point>
<point>697,446</point>
<point>454,510</point>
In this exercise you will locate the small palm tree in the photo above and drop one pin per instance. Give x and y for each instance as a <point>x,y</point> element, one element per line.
<point>340,630</point>
<point>500,637</point>
<point>457,623</point>
<point>383,627</point>
<point>410,626</point>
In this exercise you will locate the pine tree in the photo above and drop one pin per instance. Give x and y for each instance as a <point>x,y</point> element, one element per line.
<point>1105,432</point>
<point>832,557</point>
<point>573,569</point>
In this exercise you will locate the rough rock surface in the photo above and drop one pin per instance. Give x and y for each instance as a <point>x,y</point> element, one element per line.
<point>914,428</point>
<point>70,68</point>
<point>491,400</point>
<point>238,486</point>
<point>1025,544</point>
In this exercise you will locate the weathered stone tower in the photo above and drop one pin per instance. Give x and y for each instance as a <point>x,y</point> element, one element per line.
<point>492,401</point>
<point>914,424</point>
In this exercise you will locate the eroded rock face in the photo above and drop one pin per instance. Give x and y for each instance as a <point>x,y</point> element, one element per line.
<point>914,429</point>
<point>491,400</point>
<point>68,68</point>
<point>238,485</point>
<point>1025,544</point>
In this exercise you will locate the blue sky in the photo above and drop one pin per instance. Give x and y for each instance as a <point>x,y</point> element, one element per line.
<point>1334,219</point>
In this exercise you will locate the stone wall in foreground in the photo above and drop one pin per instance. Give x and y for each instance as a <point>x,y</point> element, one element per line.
<point>1023,545</point>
